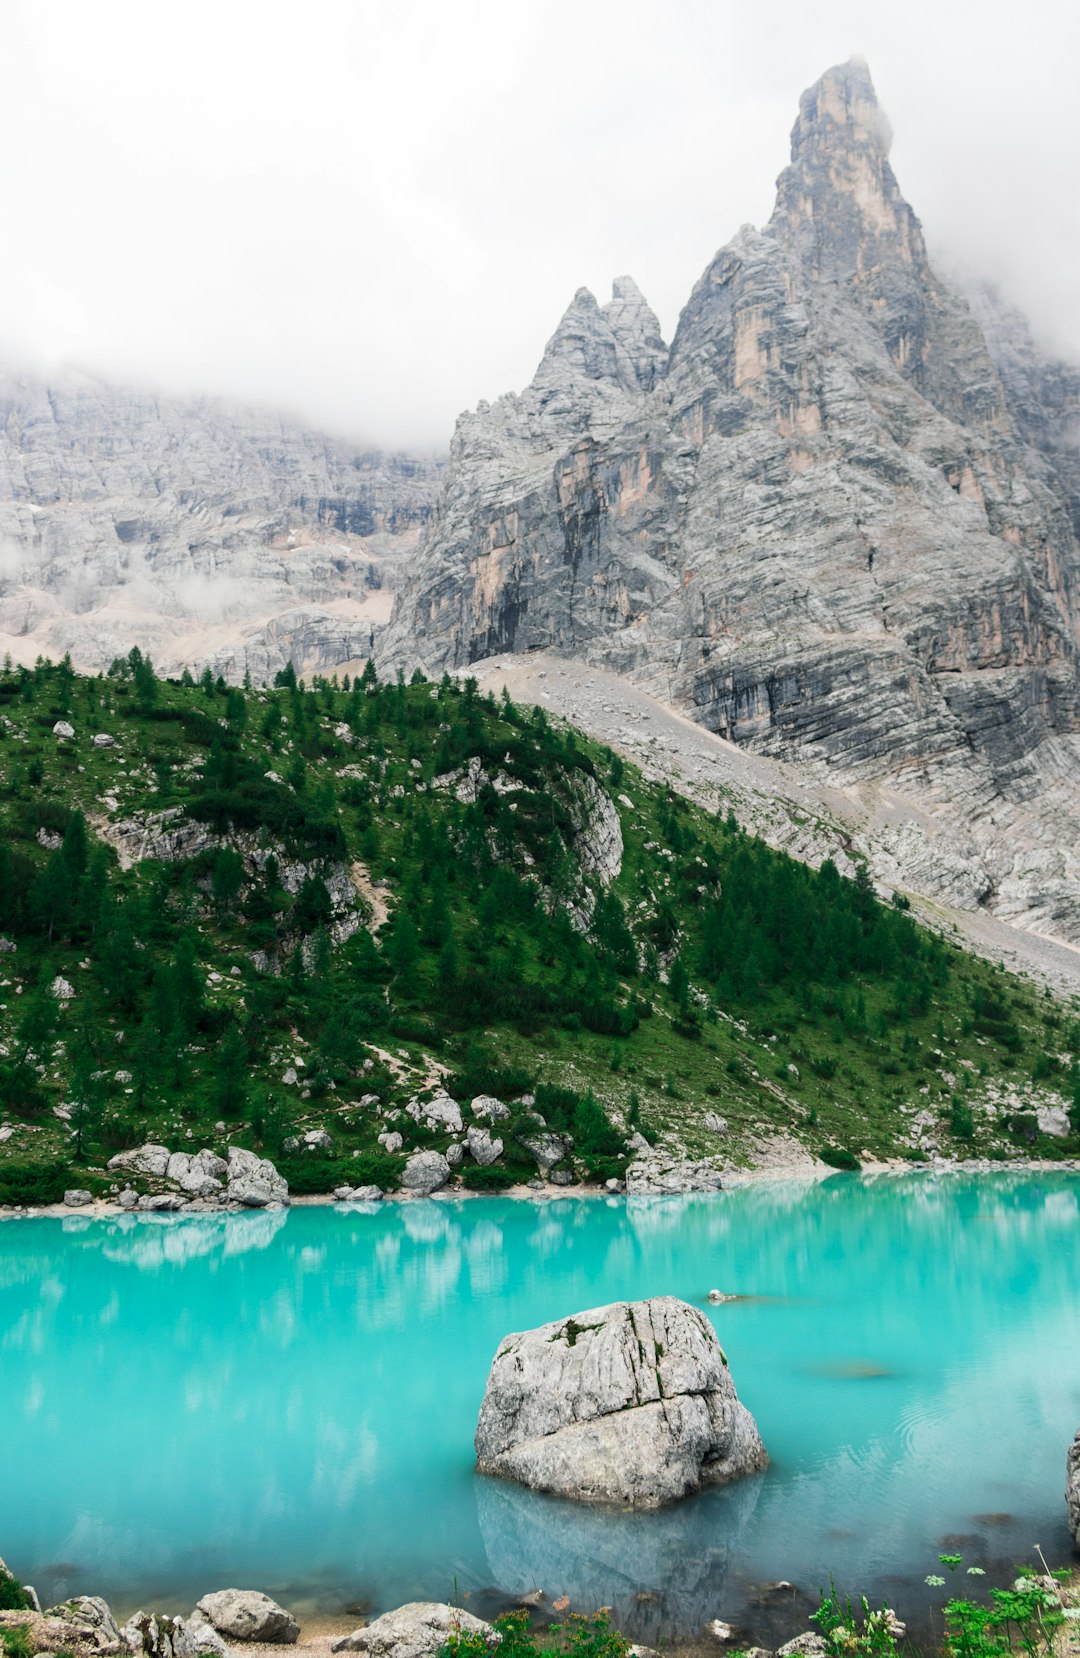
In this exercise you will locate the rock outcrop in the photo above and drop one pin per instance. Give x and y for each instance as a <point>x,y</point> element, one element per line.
<point>148,1635</point>
<point>654,1173</point>
<point>631,1404</point>
<point>418,1630</point>
<point>202,532</point>
<point>244,1178</point>
<point>1072,1490</point>
<point>836,522</point>
<point>248,1615</point>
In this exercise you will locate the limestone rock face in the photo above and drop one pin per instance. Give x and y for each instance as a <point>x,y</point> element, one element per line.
<point>418,1630</point>
<point>1072,1490</point>
<point>836,522</point>
<point>629,1404</point>
<point>202,532</point>
<point>248,1615</point>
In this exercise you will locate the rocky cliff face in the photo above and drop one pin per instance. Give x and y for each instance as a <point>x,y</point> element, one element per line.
<point>837,521</point>
<point>200,531</point>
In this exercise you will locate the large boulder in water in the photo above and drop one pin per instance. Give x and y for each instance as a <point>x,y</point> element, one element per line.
<point>631,1404</point>
<point>419,1630</point>
<point>248,1615</point>
<point>1072,1489</point>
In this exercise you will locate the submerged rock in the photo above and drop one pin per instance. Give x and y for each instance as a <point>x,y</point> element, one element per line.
<point>631,1404</point>
<point>1072,1489</point>
<point>418,1630</point>
<point>248,1615</point>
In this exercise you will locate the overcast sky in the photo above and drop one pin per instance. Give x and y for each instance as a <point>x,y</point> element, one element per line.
<point>374,211</point>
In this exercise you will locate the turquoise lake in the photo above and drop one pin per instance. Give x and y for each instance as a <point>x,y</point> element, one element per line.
<point>287,1401</point>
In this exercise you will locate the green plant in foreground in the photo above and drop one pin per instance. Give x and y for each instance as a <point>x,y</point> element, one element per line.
<point>13,1597</point>
<point>16,1641</point>
<point>847,1630</point>
<point>578,1637</point>
<point>1021,1619</point>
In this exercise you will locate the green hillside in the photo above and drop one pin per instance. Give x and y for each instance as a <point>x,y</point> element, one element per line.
<point>375,885</point>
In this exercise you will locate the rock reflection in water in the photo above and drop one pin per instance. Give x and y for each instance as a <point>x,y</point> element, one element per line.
<point>662,1573</point>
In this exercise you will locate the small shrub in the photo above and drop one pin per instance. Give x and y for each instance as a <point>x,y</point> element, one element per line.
<point>33,1183</point>
<point>13,1597</point>
<point>493,1178</point>
<point>961,1120</point>
<point>311,1175</point>
<point>839,1157</point>
<point>16,1640</point>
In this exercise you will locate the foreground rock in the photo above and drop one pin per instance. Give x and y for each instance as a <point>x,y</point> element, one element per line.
<point>418,1630</point>
<point>248,1615</point>
<point>631,1404</point>
<point>92,1618</point>
<point>1072,1490</point>
<point>150,1636</point>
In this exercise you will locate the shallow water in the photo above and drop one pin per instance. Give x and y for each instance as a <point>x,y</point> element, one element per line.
<point>287,1401</point>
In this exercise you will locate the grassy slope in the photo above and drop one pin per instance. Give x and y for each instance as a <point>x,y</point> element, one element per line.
<point>777,1028</point>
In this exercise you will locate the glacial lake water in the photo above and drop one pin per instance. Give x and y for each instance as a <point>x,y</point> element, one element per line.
<point>287,1401</point>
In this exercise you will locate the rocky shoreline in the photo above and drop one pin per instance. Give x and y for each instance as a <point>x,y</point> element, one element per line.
<point>808,1169</point>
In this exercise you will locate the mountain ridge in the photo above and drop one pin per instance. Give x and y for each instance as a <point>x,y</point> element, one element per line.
<point>823,531</point>
<point>206,532</point>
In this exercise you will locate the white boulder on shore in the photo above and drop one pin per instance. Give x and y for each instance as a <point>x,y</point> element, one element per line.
<point>425,1172</point>
<point>630,1404</point>
<point>1072,1490</point>
<point>244,1178</point>
<point>248,1615</point>
<point>418,1630</point>
<point>656,1174</point>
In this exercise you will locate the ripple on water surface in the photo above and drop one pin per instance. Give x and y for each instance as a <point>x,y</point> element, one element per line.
<point>288,1401</point>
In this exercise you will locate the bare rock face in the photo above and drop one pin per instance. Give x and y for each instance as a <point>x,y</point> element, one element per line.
<point>631,1404</point>
<point>248,1615</point>
<point>418,1630</point>
<point>837,522</point>
<point>202,532</point>
<point>1072,1489</point>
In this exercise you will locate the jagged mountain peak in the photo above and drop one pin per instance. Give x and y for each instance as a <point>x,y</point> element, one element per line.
<point>636,327</point>
<point>619,342</point>
<point>838,204</point>
<point>833,525</point>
